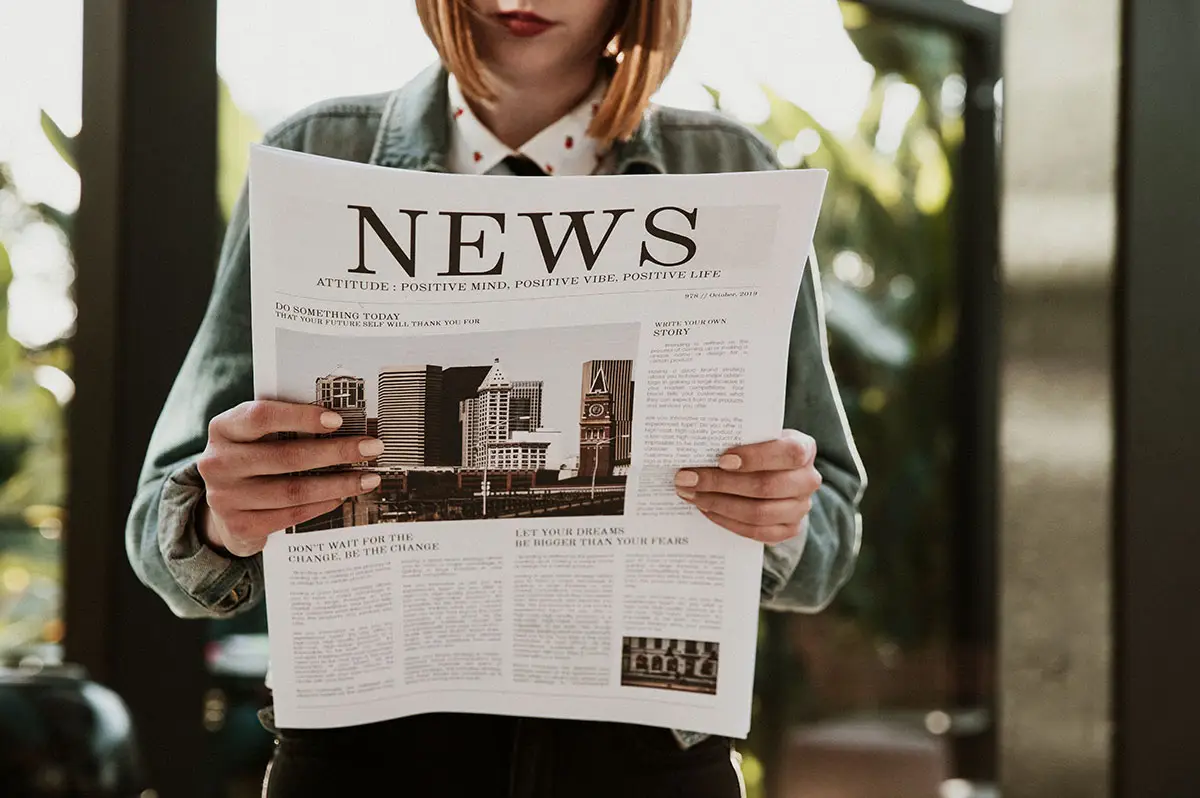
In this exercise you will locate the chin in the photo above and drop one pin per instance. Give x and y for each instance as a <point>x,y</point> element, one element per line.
<point>530,63</point>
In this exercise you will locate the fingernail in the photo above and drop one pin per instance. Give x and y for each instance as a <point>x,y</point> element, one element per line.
<point>686,495</point>
<point>729,462</point>
<point>370,481</point>
<point>687,479</point>
<point>330,420</point>
<point>371,448</point>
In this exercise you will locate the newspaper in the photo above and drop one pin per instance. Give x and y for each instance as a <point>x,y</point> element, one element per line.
<point>539,358</point>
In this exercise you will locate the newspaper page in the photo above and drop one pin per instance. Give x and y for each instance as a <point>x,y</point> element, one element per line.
<point>539,358</point>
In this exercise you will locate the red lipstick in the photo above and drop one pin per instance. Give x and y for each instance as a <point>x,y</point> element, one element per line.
<point>524,23</point>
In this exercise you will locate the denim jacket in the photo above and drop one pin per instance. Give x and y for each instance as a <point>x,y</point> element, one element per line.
<point>409,128</point>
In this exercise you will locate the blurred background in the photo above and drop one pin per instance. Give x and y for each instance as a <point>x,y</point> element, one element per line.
<point>990,446</point>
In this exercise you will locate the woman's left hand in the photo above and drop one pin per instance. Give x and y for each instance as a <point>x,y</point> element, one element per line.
<point>762,491</point>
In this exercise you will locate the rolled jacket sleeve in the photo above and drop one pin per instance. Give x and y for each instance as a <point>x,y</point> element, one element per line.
<point>161,537</point>
<point>805,573</point>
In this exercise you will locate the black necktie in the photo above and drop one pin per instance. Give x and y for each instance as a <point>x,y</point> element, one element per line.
<point>520,165</point>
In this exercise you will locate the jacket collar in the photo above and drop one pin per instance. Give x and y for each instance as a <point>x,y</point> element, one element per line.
<point>414,131</point>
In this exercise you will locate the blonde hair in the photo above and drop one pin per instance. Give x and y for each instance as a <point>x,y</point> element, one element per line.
<point>645,40</point>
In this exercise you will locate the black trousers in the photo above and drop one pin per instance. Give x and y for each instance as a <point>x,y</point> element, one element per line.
<point>494,757</point>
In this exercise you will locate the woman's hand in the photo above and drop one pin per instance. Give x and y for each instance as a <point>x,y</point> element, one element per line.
<point>250,483</point>
<point>761,491</point>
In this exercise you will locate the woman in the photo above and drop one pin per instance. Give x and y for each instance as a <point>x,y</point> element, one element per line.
<point>540,87</point>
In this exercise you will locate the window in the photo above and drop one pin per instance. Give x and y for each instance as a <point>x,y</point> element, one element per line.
<point>886,662</point>
<point>889,129</point>
<point>39,193</point>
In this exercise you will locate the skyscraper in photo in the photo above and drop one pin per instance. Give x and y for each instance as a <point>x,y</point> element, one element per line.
<point>486,417</point>
<point>458,383</point>
<point>345,395</point>
<point>410,406</point>
<point>525,406</point>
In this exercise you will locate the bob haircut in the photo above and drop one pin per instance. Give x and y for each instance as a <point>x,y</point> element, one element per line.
<point>646,38</point>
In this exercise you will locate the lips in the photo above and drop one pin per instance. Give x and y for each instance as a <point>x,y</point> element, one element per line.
<point>524,23</point>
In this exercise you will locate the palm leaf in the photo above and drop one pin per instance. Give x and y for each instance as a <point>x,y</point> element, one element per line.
<point>65,145</point>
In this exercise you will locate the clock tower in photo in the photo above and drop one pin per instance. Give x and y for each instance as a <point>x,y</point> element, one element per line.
<point>596,429</point>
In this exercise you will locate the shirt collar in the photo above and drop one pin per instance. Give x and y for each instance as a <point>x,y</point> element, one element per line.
<point>562,148</point>
<point>415,131</point>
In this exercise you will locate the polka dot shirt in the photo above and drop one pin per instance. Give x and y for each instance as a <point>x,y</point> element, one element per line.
<point>564,148</point>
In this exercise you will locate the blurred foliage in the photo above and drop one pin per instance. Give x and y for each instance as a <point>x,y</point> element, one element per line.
<point>33,425</point>
<point>236,131</point>
<point>31,421</point>
<point>887,252</point>
<point>892,318</point>
<point>886,246</point>
<point>63,144</point>
<point>32,445</point>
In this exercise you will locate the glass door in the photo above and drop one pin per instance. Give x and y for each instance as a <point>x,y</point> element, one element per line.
<point>887,692</point>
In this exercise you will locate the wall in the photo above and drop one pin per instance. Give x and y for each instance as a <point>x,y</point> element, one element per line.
<point>1061,68</point>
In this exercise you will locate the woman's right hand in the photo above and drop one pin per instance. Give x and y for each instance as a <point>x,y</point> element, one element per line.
<point>251,486</point>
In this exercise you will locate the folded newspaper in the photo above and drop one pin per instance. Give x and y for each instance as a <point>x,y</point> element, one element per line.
<point>539,357</point>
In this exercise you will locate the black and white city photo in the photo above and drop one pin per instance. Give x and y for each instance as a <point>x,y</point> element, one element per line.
<point>513,424</point>
<point>668,664</point>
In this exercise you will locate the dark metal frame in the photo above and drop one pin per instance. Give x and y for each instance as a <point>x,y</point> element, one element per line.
<point>973,24</point>
<point>977,367</point>
<point>1157,379</point>
<point>144,248</point>
<point>974,560</point>
<point>976,378</point>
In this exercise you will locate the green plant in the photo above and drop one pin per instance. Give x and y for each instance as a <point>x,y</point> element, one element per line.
<point>32,451</point>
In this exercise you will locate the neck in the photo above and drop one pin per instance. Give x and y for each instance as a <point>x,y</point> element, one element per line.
<point>522,109</point>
